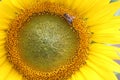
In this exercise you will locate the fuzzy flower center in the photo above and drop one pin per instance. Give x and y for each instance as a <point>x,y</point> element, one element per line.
<point>47,42</point>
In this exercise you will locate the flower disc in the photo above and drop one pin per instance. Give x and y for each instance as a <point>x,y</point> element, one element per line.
<point>47,42</point>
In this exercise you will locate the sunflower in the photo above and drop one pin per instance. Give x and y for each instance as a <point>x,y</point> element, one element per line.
<point>59,40</point>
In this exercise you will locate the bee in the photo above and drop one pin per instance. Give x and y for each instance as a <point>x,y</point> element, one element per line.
<point>69,18</point>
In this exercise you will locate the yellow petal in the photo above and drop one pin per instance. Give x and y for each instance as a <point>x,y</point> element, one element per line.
<point>113,24</point>
<point>98,5</point>
<point>2,42</point>
<point>90,74</point>
<point>14,75</point>
<point>106,75</point>
<point>2,35</point>
<point>17,4</point>
<point>4,24</point>
<point>5,69</point>
<point>115,19</point>
<point>107,38</point>
<point>2,59</point>
<point>109,34</point>
<point>104,62</point>
<point>85,7</point>
<point>103,15</point>
<point>108,30</point>
<point>4,10</point>
<point>2,51</point>
<point>23,4</point>
<point>77,76</point>
<point>106,50</point>
<point>9,5</point>
<point>66,3</point>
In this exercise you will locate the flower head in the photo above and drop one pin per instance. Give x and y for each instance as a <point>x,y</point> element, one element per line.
<point>59,40</point>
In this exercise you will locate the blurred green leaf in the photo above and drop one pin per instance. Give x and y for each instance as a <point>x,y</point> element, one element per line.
<point>113,1</point>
